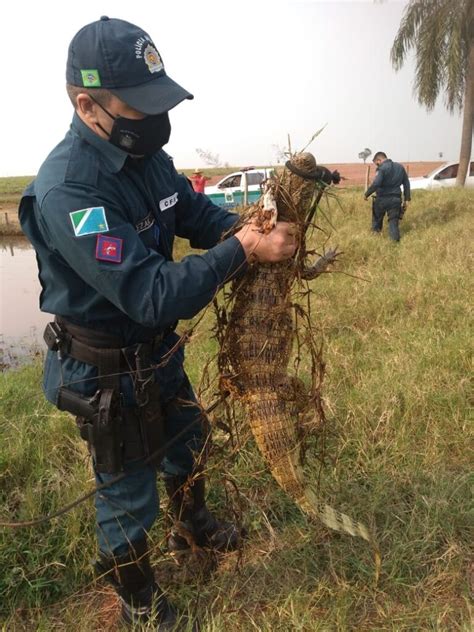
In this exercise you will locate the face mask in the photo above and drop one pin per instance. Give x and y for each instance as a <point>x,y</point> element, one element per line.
<point>139,137</point>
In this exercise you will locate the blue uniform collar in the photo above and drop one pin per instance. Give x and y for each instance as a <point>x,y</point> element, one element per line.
<point>115,156</point>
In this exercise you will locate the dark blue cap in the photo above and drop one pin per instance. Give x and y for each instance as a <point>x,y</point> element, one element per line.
<point>121,57</point>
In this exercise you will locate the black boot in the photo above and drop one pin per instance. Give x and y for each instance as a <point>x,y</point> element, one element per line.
<point>194,523</point>
<point>142,599</point>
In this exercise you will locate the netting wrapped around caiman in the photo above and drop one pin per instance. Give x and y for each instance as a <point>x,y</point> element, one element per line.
<point>259,337</point>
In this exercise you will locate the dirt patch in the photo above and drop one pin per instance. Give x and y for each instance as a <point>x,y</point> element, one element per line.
<point>9,223</point>
<point>9,213</point>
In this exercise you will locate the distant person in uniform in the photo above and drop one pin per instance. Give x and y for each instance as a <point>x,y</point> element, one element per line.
<point>102,216</point>
<point>199,180</point>
<point>386,185</point>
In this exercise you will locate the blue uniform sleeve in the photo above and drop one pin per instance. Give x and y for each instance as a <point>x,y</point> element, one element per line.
<point>376,183</point>
<point>198,219</point>
<point>136,279</point>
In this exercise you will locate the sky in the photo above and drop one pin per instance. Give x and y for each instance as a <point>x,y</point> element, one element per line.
<point>259,70</point>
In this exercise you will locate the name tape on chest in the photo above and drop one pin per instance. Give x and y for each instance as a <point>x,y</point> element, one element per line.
<point>88,221</point>
<point>145,224</point>
<point>168,202</point>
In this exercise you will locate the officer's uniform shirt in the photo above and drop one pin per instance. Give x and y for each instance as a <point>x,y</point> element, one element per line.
<point>390,177</point>
<point>103,225</point>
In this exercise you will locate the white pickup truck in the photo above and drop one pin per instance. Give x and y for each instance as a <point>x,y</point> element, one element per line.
<point>229,192</point>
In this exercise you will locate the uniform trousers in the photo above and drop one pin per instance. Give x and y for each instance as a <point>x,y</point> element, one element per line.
<point>391,206</point>
<point>126,511</point>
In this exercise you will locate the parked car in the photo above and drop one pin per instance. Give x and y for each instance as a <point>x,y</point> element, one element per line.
<point>229,192</point>
<point>443,176</point>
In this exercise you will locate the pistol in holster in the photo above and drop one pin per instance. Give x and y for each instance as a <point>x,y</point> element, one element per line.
<point>100,424</point>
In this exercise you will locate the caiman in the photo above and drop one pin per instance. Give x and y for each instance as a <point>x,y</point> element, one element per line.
<point>260,335</point>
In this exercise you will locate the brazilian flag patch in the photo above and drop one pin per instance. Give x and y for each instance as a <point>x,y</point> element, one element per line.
<point>90,78</point>
<point>89,221</point>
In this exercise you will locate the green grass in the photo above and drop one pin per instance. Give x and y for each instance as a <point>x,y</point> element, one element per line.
<point>398,351</point>
<point>11,188</point>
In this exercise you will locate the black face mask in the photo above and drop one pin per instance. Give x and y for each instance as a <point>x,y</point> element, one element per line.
<point>139,137</point>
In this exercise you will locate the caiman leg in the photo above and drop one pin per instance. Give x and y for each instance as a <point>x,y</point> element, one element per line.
<point>320,265</point>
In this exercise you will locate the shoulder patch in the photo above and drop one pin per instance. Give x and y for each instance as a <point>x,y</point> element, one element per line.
<point>109,249</point>
<point>88,221</point>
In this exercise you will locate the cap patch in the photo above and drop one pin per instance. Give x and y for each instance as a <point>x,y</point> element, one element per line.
<point>144,49</point>
<point>152,59</point>
<point>90,78</point>
<point>109,249</point>
<point>88,221</point>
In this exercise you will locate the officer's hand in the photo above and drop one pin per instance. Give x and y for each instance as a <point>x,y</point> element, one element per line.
<point>279,244</point>
<point>366,199</point>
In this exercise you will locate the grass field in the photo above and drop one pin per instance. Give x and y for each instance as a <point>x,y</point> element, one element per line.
<point>12,188</point>
<point>398,351</point>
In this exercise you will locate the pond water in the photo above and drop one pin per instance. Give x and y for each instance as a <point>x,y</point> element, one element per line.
<point>21,322</point>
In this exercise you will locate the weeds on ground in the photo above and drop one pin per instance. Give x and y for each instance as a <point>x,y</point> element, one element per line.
<point>398,348</point>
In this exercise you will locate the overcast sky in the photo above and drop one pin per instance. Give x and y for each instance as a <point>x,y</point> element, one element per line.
<point>258,69</point>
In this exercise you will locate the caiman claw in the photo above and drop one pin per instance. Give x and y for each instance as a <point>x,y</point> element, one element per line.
<point>320,265</point>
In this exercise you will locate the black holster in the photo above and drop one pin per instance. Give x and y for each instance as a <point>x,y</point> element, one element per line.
<point>114,434</point>
<point>100,424</point>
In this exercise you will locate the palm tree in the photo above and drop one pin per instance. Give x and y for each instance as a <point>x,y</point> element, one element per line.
<point>442,34</point>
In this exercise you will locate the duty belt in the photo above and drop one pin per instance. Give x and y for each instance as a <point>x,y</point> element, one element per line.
<point>74,341</point>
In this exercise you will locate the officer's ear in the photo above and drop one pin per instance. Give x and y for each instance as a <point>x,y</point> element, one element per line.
<point>87,108</point>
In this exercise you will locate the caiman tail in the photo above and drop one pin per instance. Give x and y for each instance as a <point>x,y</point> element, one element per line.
<point>279,446</point>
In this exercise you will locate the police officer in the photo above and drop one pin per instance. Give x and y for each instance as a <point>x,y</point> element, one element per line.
<point>102,215</point>
<point>386,184</point>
